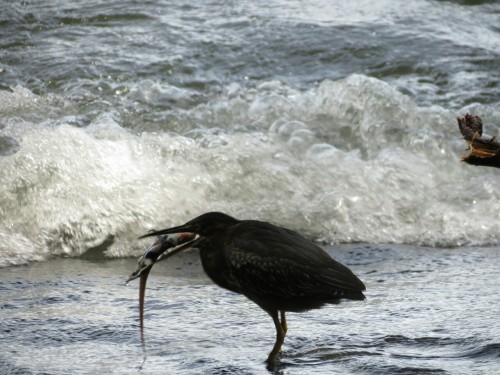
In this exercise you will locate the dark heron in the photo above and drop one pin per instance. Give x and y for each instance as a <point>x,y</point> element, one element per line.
<point>274,267</point>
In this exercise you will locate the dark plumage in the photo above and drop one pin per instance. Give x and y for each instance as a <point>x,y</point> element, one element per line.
<point>276,268</point>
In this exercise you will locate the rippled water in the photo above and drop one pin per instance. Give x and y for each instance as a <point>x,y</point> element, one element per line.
<point>427,311</point>
<point>336,119</point>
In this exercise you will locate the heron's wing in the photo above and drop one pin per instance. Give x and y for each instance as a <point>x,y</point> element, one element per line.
<point>268,258</point>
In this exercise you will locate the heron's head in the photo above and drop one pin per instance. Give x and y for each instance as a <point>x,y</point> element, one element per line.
<point>204,225</point>
<point>209,223</point>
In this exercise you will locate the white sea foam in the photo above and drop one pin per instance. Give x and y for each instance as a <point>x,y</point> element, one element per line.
<point>352,160</point>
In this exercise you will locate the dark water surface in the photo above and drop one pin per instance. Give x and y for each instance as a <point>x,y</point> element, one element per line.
<point>427,311</point>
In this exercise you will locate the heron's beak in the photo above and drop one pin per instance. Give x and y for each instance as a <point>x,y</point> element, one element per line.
<point>158,251</point>
<point>181,229</point>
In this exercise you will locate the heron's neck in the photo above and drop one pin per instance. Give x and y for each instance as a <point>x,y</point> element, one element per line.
<point>213,261</point>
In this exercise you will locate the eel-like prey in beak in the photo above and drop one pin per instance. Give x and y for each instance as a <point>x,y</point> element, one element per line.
<point>156,252</point>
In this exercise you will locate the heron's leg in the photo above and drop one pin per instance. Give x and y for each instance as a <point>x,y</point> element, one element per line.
<point>283,321</point>
<point>280,336</point>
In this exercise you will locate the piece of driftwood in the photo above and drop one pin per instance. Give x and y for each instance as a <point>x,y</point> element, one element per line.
<point>483,151</point>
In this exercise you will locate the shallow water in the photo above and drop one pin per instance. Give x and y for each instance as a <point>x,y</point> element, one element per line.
<point>427,311</point>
